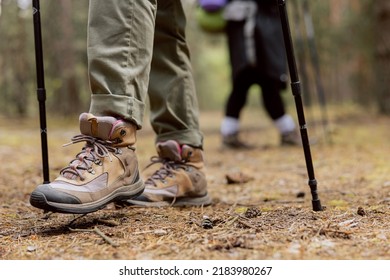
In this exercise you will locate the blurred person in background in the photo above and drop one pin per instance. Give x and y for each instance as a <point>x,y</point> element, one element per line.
<point>257,56</point>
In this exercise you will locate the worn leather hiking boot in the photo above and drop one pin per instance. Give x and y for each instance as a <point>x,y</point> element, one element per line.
<point>233,142</point>
<point>179,181</point>
<point>105,171</point>
<point>292,138</point>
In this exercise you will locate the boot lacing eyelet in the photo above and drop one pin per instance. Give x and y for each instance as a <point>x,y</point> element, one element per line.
<point>95,150</point>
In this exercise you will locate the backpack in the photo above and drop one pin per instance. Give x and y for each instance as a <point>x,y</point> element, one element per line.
<point>209,15</point>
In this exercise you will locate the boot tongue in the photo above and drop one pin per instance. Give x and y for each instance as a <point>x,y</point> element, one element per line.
<point>170,150</point>
<point>98,127</point>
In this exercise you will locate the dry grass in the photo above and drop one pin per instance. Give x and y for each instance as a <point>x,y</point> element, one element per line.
<point>268,217</point>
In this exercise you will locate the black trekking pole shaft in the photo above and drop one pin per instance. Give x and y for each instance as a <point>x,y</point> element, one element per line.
<point>296,90</point>
<point>41,91</point>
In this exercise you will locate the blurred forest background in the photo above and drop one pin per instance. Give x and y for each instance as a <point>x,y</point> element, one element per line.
<point>351,38</point>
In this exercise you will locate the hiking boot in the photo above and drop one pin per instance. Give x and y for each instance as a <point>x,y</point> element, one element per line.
<point>179,181</point>
<point>232,141</point>
<point>291,139</point>
<point>105,171</point>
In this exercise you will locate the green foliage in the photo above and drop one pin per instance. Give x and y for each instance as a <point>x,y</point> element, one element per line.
<point>344,35</point>
<point>15,60</point>
<point>17,57</point>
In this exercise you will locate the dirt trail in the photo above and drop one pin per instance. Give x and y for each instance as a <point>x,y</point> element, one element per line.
<point>268,217</point>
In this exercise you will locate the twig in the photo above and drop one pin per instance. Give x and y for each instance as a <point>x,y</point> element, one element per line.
<point>232,220</point>
<point>98,232</point>
<point>108,222</point>
<point>283,201</point>
<point>246,224</point>
<point>105,237</point>
<point>150,231</point>
<point>75,219</point>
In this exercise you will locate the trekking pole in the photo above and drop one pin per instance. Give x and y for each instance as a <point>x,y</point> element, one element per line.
<point>41,91</point>
<point>296,91</point>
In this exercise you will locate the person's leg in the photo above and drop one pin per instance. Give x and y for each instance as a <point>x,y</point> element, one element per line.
<point>120,44</point>
<point>272,99</point>
<point>274,105</point>
<point>120,40</point>
<point>180,180</point>
<point>239,93</point>
<point>230,125</point>
<point>172,94</point>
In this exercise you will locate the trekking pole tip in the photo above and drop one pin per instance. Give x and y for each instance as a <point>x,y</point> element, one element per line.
<point>317,205</point>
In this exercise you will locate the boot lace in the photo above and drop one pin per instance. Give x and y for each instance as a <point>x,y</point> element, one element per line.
<point>166,170</point>
<point>92,153</point>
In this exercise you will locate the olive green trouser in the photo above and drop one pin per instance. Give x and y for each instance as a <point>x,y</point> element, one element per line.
<point>138,47</point>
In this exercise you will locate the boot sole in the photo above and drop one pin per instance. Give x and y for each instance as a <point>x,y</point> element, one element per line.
<point>179,202</point>
<point>38,200</point>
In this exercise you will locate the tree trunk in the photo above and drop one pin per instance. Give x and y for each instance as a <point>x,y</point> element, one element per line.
<point>66,96</point>
<point>67,62</point>
<point>22,71</point>
<point>382,54</point>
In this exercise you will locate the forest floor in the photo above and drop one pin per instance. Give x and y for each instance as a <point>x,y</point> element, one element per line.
<point>270,216</point>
